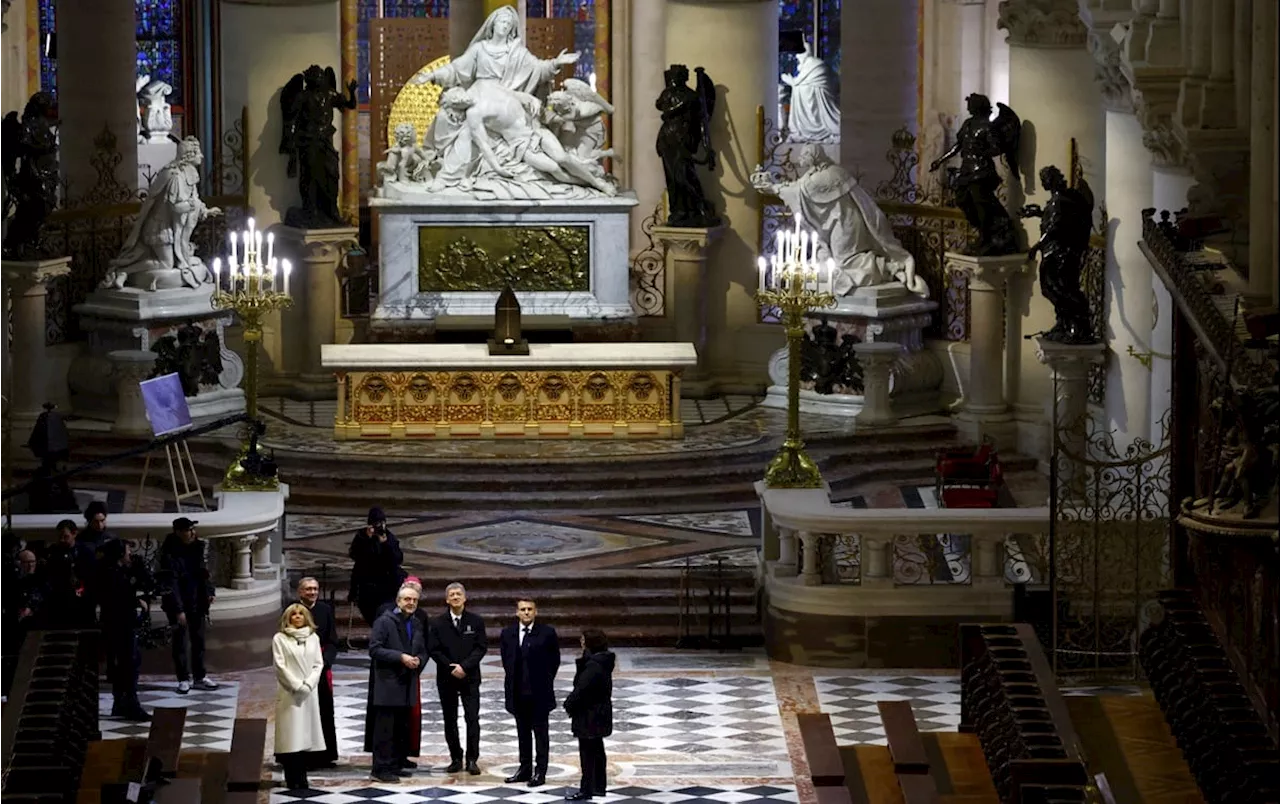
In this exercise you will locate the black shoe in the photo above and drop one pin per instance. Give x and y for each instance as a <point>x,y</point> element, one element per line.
<point>521,775</point>
<point>408,764</point>
<point>385,776</point>
<point>454,766</point>
<point>473,768</point>
<point>539,779</point>
<point>404,773</point>
<point>602,793</point>
<point>578,796</point>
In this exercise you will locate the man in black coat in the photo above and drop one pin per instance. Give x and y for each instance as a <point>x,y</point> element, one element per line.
<point>458,644</point>
<point>119,587</point>
<point>398,653</point>
<point>327,630</point>
<point>187,602</point>
<point>590,707</point>
<point>376,573</point>
<point>530,659</point>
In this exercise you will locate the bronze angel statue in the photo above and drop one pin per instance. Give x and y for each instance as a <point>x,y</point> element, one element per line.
<point>308,102</point>
<point>979,142</point>
<point>30,175</point>
<point>684,143</point>
<point>1066,222</point>
<point>193,354</point>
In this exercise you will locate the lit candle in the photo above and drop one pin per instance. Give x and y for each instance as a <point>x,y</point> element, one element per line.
<point>271,246</point>
<point>782,236</point>
<point>804,249</point>
<point>257,248</point>
<point>760,261</point>
<point>233,248</point>
<point>831,275</point>
<point>217,272</point>
<point>287,268</point>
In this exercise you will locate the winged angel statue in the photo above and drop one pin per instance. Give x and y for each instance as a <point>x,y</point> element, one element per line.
<point>30,175</point>
<point>308,102</point>
<point>684,143</point>
<point>500,132</point>
<point>976,182</point>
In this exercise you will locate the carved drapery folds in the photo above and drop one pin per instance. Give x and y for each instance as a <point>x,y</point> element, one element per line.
<point>1042,23</point>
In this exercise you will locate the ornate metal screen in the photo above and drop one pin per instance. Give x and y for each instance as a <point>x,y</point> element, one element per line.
<point>398,48</point>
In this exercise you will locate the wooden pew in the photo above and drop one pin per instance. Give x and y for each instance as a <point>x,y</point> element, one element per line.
<point>906,748</point>
<point>826,768</point>
<point>244,766</point>
<point>164,740</point>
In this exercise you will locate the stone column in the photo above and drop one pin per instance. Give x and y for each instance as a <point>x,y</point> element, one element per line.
<point>742,58</point>
<point>880,42</point>
<point>1052,88</point>
<point>26,286</point>
<point>811,566</point>
<point>985,410</point>
<point>1129,290</point>
<point>640,163</point>
<point>465,18</point>
<point>1066,408</point>
<point>242,566</point>
<point>320,253</point>
<point>786,566</point>
<point>973,48</point>
<point>349,201</point>
<point>97,63</point>
<point>877,361</point>
<point>1170,183</point>
<point>14,44</point>
<point>1262,152</point>
<point>877,561</point>
<point>263,570</point>
<point>687,250</point>
<point>128,368</point>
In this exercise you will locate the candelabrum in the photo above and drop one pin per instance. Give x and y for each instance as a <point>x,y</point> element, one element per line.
<point>793,282</point>
<point>256,286</point>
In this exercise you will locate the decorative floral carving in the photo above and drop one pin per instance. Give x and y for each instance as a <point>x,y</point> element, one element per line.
<point>1042,23</point>
<point>1117,93</point>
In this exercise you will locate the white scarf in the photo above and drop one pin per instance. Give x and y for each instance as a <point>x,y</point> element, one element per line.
<point>300,634</point>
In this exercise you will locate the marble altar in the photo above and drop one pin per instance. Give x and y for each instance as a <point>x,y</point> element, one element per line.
<point>559,390</point>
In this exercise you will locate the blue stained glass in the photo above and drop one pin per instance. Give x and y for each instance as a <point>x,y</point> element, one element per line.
<point>829,33</point>
<point>365,11</point>
<point>583,14</point>
<point>48,67</point>
<point>536,8</point>
<point>793,15</point>
<point>159,32</point>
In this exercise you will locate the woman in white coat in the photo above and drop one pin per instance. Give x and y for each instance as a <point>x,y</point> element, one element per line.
<point>299,663</point>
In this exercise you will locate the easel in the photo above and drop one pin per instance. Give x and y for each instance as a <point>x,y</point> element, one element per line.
<point>180,451</point>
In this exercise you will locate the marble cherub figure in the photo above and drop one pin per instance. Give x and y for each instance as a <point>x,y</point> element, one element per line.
<point>407,161</point>
<point>851,228</point>
<point>575,113</point>
<point>158,254</point>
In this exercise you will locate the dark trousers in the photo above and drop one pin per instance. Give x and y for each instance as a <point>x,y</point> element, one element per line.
<point>390,738</point>
<point>531,729</point>
<point>295,770</point>
<point>470,695</point>
<point>189,637</point>
<point>591,757</point>
<point>330,753</point>
<point>124,659</point>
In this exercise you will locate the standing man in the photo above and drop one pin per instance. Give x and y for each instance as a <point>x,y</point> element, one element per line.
<point>327,630</point>
<point>118,587</point>
<point>187,602</point>
<point>530,658</point>
<point>398,653</point>
<point>375,572</point>
<point>458,644</point>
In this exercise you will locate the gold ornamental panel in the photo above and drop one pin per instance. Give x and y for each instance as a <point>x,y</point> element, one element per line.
<point>532,403</point>
<point>488,258</point>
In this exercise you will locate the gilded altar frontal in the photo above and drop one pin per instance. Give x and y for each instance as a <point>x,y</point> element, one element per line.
<point>528,258</point>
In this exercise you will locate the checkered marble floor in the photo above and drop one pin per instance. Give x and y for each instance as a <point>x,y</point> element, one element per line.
<point>210,714</point>
<point>402,794</point>
<point>851,700</point>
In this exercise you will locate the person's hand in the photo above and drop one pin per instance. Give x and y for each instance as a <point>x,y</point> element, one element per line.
<point>368,530</point>
<point>382,536</point>
<point>212,212</point>
<point>934,165</point>
<point>352,86</point>
<point>565,58</point>
<point>1032,252</point>
<point>457,671</point>
<point>424,78</point>
<point>182,619</point>
<point>408,661</point>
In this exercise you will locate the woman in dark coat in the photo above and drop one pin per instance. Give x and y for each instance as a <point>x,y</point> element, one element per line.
<point>590,706</point>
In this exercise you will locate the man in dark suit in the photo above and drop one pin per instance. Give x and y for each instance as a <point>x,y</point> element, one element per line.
<point>530,658</point>
<point>327,630</point>
<point>398,653</point>
<point>458,644</point>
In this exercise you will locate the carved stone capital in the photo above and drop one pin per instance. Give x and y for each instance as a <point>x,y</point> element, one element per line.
<point>24,276</point>
<point>687,243</point>
<point>1108,72</point>
<point>987,273</point>
<point>1042,23</point>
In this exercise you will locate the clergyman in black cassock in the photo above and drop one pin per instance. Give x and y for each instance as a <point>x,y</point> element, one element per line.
<point>398,653</point>
<point>327,630</point>
<point>458,644</point>
<point>530,657</point>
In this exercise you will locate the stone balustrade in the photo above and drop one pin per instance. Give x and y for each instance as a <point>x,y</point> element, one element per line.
<point>888,586</point>
<point>244,533</point>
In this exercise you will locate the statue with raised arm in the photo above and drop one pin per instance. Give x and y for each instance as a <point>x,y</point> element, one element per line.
<point>851,229</point>
<point>158,120</point>
<point>308,102</point>
<point>30,176</point>
<point>1066,222</point>
<point>158,254</point>
<point>978,143</point>
<point>684,143</point>
<point>815,107</point>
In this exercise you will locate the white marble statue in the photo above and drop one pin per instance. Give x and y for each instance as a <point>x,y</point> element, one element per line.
<point>851,229</point>
<point>407,161</point>
<point>138,83</point>
<point>158,254</point>
<point>490,140</point>
<point>815,108</point>
<point>158,120</point>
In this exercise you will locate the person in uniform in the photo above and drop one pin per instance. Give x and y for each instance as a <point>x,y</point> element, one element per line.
<point>458,644</point>
<point>530,658</point>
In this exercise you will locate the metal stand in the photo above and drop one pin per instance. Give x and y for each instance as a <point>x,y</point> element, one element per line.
<point>180,452</point>
<point>719,634</point>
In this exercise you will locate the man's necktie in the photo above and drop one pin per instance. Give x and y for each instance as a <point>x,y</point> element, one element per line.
<point>456,626</point>
<point>525,633</point>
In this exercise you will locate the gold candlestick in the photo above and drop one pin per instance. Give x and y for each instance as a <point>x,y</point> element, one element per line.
<point>254,289</point>
<point>793,283</point>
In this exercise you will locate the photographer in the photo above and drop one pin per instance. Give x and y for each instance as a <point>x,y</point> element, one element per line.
<point>186,602</point>
<point>120,583</point>
<point>376,574</point>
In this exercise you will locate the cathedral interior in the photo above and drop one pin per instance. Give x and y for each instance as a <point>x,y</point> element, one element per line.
<point>682,318</point>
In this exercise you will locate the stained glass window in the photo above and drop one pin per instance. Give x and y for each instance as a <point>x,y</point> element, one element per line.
<point>159,35</point>
<point>819,22</point>
<point>583,14</point>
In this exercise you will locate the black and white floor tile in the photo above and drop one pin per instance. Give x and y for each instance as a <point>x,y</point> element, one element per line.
<point>404,794</point>
<point>210,719</point>
<point>851,701</point>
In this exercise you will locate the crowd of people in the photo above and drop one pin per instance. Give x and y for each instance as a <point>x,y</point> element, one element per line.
<point>86,578</point>
<point>403,640</point>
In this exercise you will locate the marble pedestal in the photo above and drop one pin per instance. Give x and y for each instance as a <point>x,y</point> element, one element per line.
<point>1066,410</point>
<point>603,296</point>
<point>27,379</point>
<point>319,254</point>
<point>687,250</point>
<point>886,314</point>
<point>129,320</point>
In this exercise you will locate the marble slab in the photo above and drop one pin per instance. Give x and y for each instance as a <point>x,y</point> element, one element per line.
<point>445,356</point>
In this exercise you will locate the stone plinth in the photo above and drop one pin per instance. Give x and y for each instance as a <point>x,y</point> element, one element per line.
<point>129,367</point>
<point>883,314</point>
<point>319,254</point>
<point>133,320</point>
<point>878,361</point>
<point>686,255</point>
<point>984,412</point>
<point>597,290</point>
<point>1066,409</point>
<point>26,284</point>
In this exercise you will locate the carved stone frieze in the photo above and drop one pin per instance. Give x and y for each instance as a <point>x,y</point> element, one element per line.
<point>1042,23</point>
